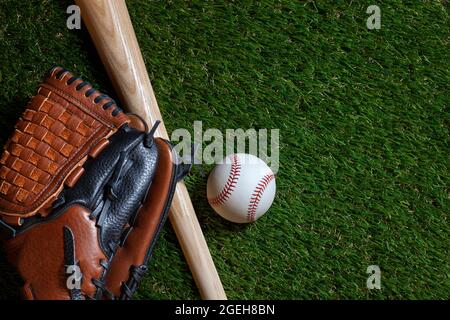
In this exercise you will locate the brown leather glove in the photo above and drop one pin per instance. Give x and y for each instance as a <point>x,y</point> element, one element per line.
<point>84,193</point>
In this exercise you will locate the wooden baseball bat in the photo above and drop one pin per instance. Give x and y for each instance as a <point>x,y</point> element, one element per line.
<point>111,30</point>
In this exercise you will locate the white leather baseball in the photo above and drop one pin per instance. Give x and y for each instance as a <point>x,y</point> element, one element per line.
<point>242,188</point>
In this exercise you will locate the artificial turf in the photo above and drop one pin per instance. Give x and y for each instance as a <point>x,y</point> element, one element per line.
<point>363,118</point>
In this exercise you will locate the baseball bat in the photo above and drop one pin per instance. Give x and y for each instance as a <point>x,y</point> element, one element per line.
<point>111,30</point>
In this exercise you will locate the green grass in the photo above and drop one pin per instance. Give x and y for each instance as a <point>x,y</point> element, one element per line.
<point>363,118</point>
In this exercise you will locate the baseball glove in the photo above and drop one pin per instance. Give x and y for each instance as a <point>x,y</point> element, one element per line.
<point>84,193</point>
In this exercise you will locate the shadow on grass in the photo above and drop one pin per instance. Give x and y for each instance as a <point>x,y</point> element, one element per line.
<point>10,281</point>
<point>9,117</point>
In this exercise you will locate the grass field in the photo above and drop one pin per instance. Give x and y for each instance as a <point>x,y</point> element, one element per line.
<point>364,125</point>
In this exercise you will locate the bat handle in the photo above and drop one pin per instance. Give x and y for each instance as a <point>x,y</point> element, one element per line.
<point>193,244</point>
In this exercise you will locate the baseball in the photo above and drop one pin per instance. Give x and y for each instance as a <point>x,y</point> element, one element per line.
<point>242,188</point>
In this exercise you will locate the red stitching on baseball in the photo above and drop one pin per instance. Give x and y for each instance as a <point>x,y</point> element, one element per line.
<point>257,195</point>
<point>235,173</point>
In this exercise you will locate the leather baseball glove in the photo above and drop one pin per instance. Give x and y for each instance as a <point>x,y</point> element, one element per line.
<point>84,193</point>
